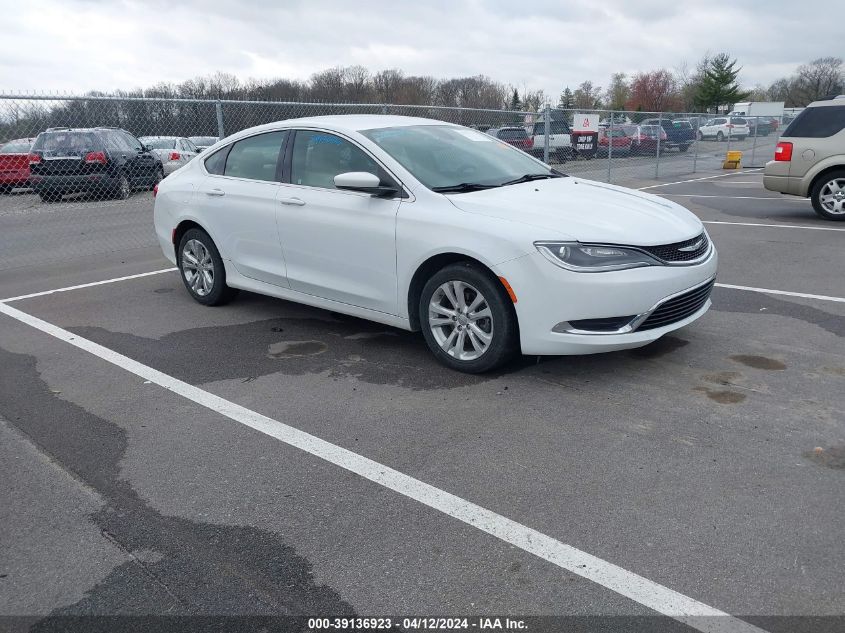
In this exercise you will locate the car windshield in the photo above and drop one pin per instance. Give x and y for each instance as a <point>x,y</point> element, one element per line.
<point>511,134</point>
<point>58,144</point>
<point>684,125</point>
<point>159,143</point>
<point>15,147</point>
<point>650,129</point>
<point>445,156</point>
<point>738,121</point>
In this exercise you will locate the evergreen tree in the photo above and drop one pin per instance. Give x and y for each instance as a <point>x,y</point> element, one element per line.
<point>567,99</point>
<point>515,104</point>
<point>718,83</point>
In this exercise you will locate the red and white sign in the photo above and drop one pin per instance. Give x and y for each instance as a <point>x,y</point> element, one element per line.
<point>585,122</point>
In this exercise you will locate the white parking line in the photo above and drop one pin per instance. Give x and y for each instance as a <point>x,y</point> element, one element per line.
<point>769,291</point>
<point>88,285</point>
<point>777,226</point>
<point>681,182</point>
<point>642,590</point>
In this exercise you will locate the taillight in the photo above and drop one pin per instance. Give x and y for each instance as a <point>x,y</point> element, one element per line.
<point>663,136</point>
<point>783,151</point>
<point>34,158</point>
<point>155,191</point>
<point>529,143</point>
<point>175,156</point>
<point>729,125</point>
<point>96,157</point>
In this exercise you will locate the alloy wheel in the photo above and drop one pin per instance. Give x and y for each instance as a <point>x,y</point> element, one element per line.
<point>832,196</point>
<point>460,320</point>
<point>198,267</point>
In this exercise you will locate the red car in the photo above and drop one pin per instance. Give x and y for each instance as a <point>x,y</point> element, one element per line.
<point>516,136</point>
<point>644,138</point>
<point>14,163</point>
<point>621,141</point>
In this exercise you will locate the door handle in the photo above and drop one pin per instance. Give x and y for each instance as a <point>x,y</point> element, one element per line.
<point>215,192</point>
<point>297,202</point>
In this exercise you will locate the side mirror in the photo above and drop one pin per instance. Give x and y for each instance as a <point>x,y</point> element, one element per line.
<point>364,182</point>
<point>200,150</point>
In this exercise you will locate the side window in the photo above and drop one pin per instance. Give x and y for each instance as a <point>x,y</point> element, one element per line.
<point>189,146</point>
<point>318,157</point>
<point>131,141</point>
<point>819,122</point>
<point>215,163</point>
<point>256,157</point>
<point>112,143</point>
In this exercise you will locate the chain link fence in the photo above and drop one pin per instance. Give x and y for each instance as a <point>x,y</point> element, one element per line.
<point>78,170</point>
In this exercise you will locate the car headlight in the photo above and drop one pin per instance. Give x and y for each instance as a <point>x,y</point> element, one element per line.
<point>594,258</point>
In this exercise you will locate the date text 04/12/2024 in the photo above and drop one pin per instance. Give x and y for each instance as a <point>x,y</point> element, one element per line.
<point>416,623</point>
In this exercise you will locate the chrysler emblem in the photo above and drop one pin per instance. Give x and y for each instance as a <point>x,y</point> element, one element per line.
<point>692,247</point>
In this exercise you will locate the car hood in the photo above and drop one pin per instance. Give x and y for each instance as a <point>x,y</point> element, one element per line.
<point>586,211</point>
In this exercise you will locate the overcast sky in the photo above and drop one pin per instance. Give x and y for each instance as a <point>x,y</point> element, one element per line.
<point>80,45</point>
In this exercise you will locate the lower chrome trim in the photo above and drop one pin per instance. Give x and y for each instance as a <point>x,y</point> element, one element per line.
<point>564,327</point>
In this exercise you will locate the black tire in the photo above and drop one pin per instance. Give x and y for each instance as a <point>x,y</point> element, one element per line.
<point>123,188</point>
<point>49,196</point>
<point>219,293</point>
<point>157,178</point>
<point>502,323</point>
<point>683,147</point>
<point>6,188</point>
<point>816,191</point>
<point>720,137</point>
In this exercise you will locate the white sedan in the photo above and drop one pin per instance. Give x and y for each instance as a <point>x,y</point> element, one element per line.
<point>425,225</point>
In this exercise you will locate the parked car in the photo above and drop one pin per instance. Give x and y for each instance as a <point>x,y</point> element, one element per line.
<point>203,142</point>
<point>14,163</point>
<point>431,226</point>
<point>101,161</point>
<point>761,126</point>
<point>516,136</point>
<point>174,151</point>
<point>560,140</point>
<point>810,158</point>
<point>621,141</point>
<point>721,128</point>
<point>679,133</point>
<point>645,138</point>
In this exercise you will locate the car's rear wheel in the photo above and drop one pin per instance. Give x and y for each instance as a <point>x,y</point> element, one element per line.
<point>123,188</point>
<point>468,319</point>
<point>202,270</point>
<point>720,137</point>
<point>828,196</point>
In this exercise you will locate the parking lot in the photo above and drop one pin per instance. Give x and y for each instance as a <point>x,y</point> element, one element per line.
<point>270,458</point>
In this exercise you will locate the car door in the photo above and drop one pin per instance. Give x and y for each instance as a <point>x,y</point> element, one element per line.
<point>339,245</point>
<point>237,204</point>
<point>140,162</point>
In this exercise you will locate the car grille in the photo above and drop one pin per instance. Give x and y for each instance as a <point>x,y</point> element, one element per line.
<point>672,253</point>
<point>678,308</point>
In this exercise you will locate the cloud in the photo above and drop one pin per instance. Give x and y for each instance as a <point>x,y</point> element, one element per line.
<point>79,45</point>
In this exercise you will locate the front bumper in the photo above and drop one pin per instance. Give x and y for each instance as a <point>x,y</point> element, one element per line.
<point>548,296</point>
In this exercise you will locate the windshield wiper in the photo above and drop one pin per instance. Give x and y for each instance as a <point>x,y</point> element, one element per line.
<point>530,177</point>
<point>463,187</point>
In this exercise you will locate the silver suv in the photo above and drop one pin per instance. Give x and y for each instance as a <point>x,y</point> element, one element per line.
<point>810,158</point>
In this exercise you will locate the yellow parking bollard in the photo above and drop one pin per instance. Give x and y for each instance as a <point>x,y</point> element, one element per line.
<point>732,160</point>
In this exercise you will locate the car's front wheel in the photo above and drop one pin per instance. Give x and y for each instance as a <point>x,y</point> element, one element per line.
<point>202,270</point>
<point>828,196</point>
<point>468,319</point>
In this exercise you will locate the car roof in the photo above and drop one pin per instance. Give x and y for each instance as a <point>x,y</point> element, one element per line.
<point>345,123</point>
<point>837,101</point>
<point>163,138</point>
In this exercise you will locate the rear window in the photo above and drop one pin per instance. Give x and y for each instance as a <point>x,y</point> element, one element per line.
<point>555,127</point>
<point>66,143</point>
<point>738,121</point>
<point>682,125</point>
<point>512,134</point>
<point>159,143</point>
<point>15,147</point>
<point>817,122</point>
